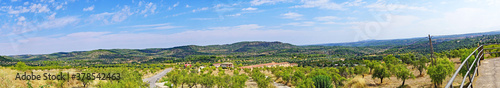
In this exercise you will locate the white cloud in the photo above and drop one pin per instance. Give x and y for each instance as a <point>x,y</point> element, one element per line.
<point>150,7</point>
<point>323,4</point>
<point>351,18</point>
<point>104,17</point>
<point>25,25</point>
<point>122,15</point>
<point>384,6</point>
<point>260,2</point>
<point>59,22</point>
<point>248,9</point>
<point>176,4</point>
<point>153,26</point>
<point>187,6</point>
<point>21,18</point>
<point>235,15</point>
<point>200,9</point>
<point>111,17</point>
<point>239,27</point>
<point>343,23</point>
<point>34,8</point>
<point>150,25</point>
<point>292,15</point>
<point>203,18</point>
<point>354,3</point>
<point>327,18</point>
<point>89,8</point>
<point>459,21</point>
<point>59,7</point>
<point>307,23</point>
<point>86,34</point>
<point>53,16</point>
<point>38,8</point>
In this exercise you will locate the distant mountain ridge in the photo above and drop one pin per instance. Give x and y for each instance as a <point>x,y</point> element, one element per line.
<point>247,49</point>
<point>408,41</point>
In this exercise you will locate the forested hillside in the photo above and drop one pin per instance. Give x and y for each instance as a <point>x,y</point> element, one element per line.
<point>259,49</point>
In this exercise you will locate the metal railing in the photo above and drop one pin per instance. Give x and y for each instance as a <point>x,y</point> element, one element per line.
<point>474,64</point>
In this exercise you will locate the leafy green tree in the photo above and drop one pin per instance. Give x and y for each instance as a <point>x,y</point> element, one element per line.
<point>390,59</point>
<point>440,70</point>
<point>371,64</point>
<point>297,77</point>
<point>306,83</point>
<point>174,77</point>
<point>420,64</point>
<point>407,58</point>
<point>238,81</point>
<point>360,70</point>
<point>322,81</point>
<point>21,66</point>
<point>287,75</point>
<point>403,73</point>
<point>261,79</point>
<point>469,62</point>
<point>248,71</point>
<point>336,78</point>
<point>381,72</point>
<point>223,81</point>
<point>207,80</point>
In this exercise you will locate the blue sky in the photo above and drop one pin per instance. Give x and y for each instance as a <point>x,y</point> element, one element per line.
<point>48,26</point>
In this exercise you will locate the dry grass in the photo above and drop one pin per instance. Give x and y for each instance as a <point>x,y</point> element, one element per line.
<point>423,81</point>
<point>8,75</point>
<point>356,82</point>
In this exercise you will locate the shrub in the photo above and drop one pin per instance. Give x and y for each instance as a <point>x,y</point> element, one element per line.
<point>322,81</point>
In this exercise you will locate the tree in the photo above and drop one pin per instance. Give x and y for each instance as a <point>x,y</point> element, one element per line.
<point>261,79</point>
<point>306,83</point>
<point>403,73</point>
<point>322,81</point>
<point>287,75</point>
<point>238,81</point>
<point>21,66</point>
<point>407,58</point>
<point>174,77</point>
<point>207,80</point>
<point>297,77</point>
<point>381,72</point>
<point>469,62</point>
<point>420,64</point>
<point>440,70</point>
<point>371,64</point>
<point>390,59</point>
<point>223,81</point>
<point>360,70</point>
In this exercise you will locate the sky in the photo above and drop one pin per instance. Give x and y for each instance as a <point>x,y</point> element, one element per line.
<point>49,26</point>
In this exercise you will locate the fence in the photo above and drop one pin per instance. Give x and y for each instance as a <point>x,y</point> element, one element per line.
<point>474,64</point>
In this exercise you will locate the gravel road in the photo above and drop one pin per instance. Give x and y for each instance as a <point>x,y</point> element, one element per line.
<point>153,79</point>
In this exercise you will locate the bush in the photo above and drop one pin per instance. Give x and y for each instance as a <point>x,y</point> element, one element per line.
<point>438,72</point>
<point>322,81</point>
<point>357,82</point>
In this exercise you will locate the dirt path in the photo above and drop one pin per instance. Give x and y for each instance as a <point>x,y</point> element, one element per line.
<point>153,79</point>
<point>489,74</point>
